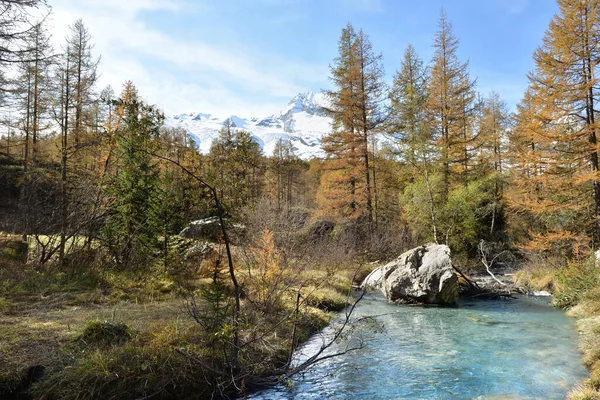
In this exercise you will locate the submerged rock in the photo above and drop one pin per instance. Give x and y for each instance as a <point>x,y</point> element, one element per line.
<point>423,274</point>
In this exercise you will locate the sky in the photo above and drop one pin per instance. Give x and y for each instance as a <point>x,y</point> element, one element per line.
<point>250,57</point>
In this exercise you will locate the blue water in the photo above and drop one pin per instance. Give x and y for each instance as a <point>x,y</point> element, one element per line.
<point>518,349</point>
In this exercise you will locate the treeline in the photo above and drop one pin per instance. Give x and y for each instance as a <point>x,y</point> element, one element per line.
<point>440,171</point>
<point>427,155</point>
<point>463,168</point>
<point>84,168</point>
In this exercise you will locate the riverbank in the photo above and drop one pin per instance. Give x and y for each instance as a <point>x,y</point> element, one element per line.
<point>132,335</point>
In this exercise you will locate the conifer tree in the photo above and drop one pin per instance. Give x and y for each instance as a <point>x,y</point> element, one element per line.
<point>84,76</point>
<point>133,225</point>
<point>559,134</point>
<point>493,126</point>
<point>356,108</point>
<point>235,166</point>
<point>16,26</point>
<point>286,169</point>
<point>450,103</point>
<point>408,122</point>
<point>34,87</point>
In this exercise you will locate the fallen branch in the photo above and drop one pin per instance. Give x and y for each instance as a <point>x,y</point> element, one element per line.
<point>487,265</point>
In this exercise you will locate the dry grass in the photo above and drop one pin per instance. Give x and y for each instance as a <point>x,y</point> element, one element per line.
<point>43,314</point>
<point>539,273</point>
<point>588,314</point>
<point>36,329</point>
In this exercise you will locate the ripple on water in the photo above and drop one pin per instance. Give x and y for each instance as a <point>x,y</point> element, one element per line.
<point>485,350</point>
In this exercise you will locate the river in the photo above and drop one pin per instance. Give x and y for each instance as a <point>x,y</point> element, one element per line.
<point>500,349</point>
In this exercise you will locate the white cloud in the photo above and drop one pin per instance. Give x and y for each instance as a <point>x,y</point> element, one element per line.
<point>224,79</point>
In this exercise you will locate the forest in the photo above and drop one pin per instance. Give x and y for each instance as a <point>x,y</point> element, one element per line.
<point>133,266</point>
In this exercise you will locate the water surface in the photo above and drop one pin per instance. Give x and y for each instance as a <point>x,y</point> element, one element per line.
<point>518,349</point>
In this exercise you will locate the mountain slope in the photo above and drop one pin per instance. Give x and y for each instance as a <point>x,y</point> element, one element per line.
<point>302,122</point>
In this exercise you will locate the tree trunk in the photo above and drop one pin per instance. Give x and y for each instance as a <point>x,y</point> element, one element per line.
<point>63,165</point>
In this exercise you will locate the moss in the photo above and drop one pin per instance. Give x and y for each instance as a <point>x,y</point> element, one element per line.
<point>105,333</point>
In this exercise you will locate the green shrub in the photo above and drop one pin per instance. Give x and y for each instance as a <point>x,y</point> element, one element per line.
<point>105,333</point>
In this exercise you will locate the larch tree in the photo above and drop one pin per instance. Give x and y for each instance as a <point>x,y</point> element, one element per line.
<point>34,87</point>
<point>493,125</point>
<point>559,123</point>
<point>285,169</point>
<point>450,103</point>
<point>356,107</point>
<point>16,25</point>
<point>408,121</point>
<point>76,76</point>
<point>83,77</point>
<point>33,95</point>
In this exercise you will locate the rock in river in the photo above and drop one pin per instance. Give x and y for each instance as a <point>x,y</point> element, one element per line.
<point>423,274</point>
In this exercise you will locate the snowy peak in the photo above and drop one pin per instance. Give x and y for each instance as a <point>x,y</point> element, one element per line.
<point>303,122</point>
<point>309,102</point>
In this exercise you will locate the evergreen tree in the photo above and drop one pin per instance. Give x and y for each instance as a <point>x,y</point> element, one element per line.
<point>133,225</point>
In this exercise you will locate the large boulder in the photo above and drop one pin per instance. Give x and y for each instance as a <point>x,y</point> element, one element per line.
<point>210,229</point>
<point>206,228</point>
<point>423,274</point>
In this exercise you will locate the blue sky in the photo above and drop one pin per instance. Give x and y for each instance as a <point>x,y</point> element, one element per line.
<point>249,57</point>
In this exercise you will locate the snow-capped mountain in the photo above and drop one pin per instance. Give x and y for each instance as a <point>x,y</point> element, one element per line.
<point>302,122</point>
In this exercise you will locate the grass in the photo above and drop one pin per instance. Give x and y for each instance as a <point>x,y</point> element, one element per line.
<point>114,335</point>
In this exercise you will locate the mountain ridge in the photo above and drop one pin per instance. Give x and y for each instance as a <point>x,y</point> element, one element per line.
<point>303,122</point>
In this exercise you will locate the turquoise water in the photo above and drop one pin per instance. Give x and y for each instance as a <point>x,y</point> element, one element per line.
<point>518,349</point>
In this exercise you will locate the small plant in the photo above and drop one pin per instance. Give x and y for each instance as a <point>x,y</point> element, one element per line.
<point>105,333</point>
